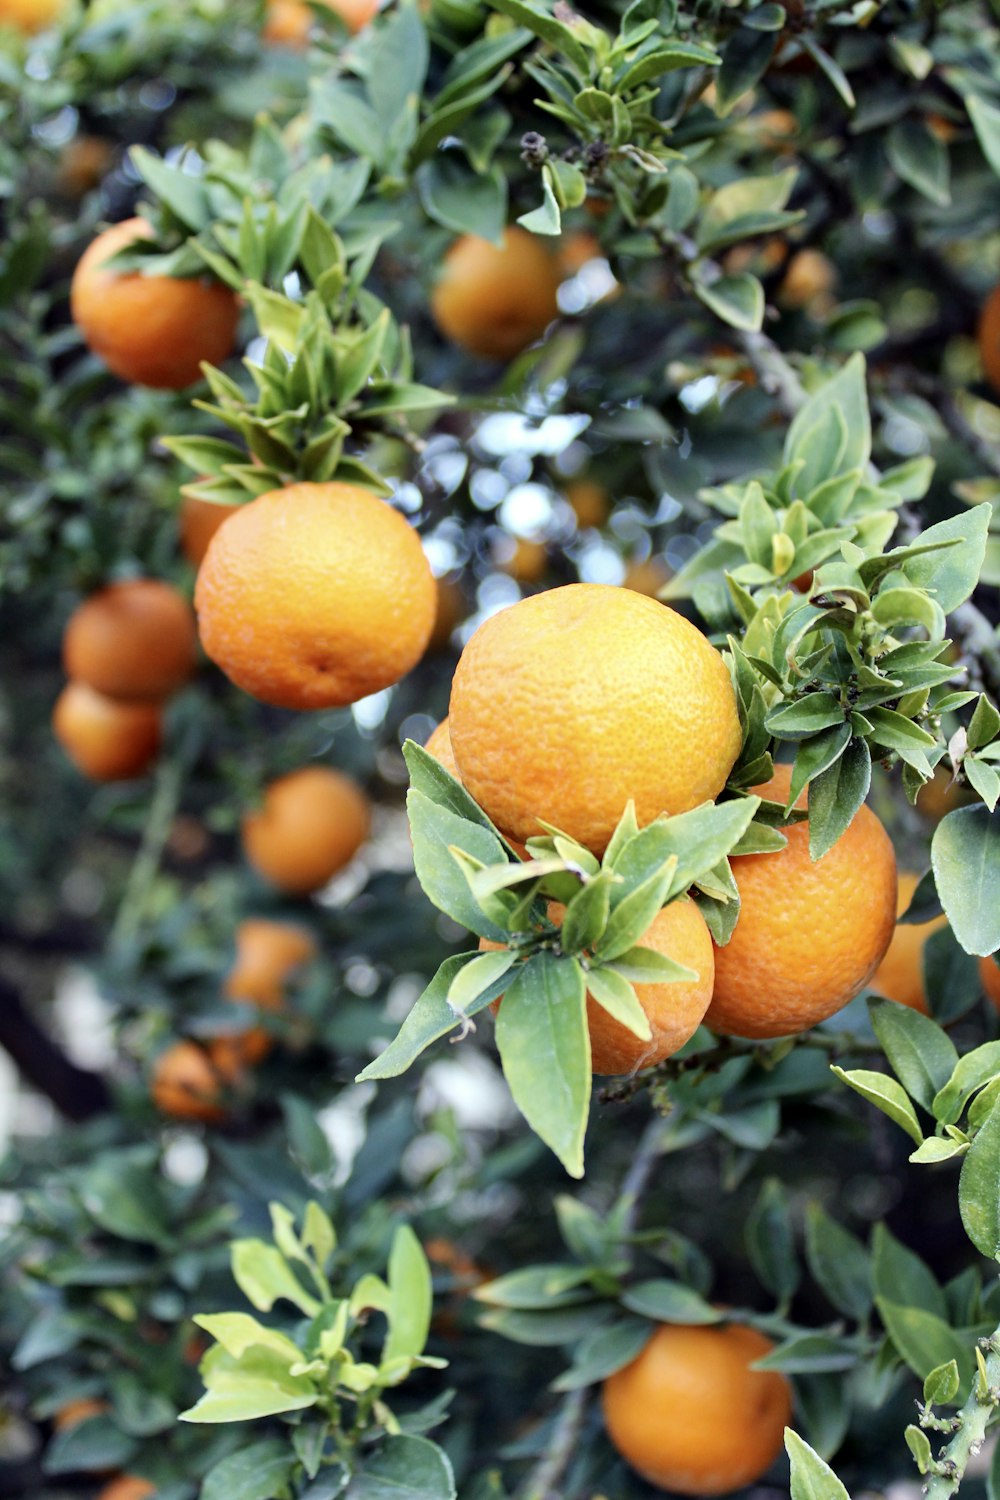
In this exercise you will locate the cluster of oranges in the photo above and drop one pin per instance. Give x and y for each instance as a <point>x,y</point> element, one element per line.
<point>570,704</point>
<point>126,650</point>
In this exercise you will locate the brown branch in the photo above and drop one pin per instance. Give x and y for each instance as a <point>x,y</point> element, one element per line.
<point>75,1092</point>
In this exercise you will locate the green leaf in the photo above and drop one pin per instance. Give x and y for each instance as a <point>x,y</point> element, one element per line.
<point>985,117</point>
<point>972,1070</point>
<point>699,839</point>
<point>848,393</point>
<point>587,914</point>
<point>184,193</point>
<point>737,300</point>
<point>901,1276</point>
<point>806,716</point>
<point>398,62</point>
<point>941,1385</point>
<point>265,1277</point>
<point>430,1019</point>
<point>965,857</point>
<point>979,1187</point>
<point>839,1263</point>
<point>538,1288</point>
<point>922,1057</point>
<point>404,1468</point>
<point>647,966</point>
<point>738,201</point>
<point>810,1354</point>
<point>811,1478</point>
<point>661,59</point>
<point>237,1332</point>
<point>602,1352</point>
<point>744,62</point>
<point>631,917</point>
<point>669,1302</point>
<point>770,1241</point>
<point>543,23</point>
<point>922,1339</point>
<point>465,201</point>
<point>318,1233</point>
<point>412,1297</point>
<point>616,995</point>
<point>258,1384</point>
<point>887,1095</point>
<point>919,158</point>
<point>260,1471</point>
<point>544,1047</point>
<point>816,755</point>
<point>951,575</point>
<point>836,794</point>
<point>435,832</point>
<point>546,218</point>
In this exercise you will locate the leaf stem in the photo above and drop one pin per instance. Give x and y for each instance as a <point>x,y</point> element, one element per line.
<point>147,862</point>
<point>973,1419</point>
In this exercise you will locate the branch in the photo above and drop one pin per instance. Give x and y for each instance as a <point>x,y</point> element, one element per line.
<point>75,1092</point>
<point>949,1469</point>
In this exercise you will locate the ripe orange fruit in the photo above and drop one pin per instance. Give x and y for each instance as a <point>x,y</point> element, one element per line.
<point>287,23</point>
<point>989,338</point>
<point>452,608</point>
<point>30,16</point>
<point>127,1487</point>
<point>590,502</point>
<point>569,703</point>
<point>809,280</point>
<point>198,522</point>
<point>311,824</point>
<point>496,300</point>
<point>83,162</point>
<point>900,975</point>
<point>315,595</point>
<point>810,934</point>
<point>135,641</point>
<point>266,955</point>
<point>75,1412</point>
<point>662,1411</point>
<point>439,745</point>
<point>990,977</point>
<point>647,577</point>
<point>528,562</point>
<point>188,1082</point>
<point>941,795</point>
<point>151,330</point>
<point>674,1011</point>
<point>106,739</point>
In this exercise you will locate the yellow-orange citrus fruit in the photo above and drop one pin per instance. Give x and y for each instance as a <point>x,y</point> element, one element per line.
<point>127,1487</point>
<point>315,595</point>
<point>647,577</point>
<point>528,562</point>
<point>134,640</point>
<point>675,1011</point>
<point>310,825</point>
<point>267,953</point>
<point>662,1410</point>
<point>811,277</point>
<point>570,703</point>
<point>989,338</point>
<point>106,739</point>
<point>151,330</point>
<point>452,608</point>
<point>83,162</point>
<point>30,16</point>
<point>900,975</point>
<point>495,300</point>
<point>989,974</point>
<point>75,1412</point>
<point>198,522</point>
<point>287,23</point>
<point>941,795</point>
<point>439,745</point>
<point>775,129</point>
<point>590,502</point>
<point>188,1082</point>
<point>809,934</point>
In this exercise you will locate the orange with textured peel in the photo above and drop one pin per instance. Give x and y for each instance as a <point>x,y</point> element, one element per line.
<point>495,300</point>
<point>104,738</point>
<point>134,640</point>
<point>310,825</point>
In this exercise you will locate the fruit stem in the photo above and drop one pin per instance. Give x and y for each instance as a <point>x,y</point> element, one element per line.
<point>973,1420</point>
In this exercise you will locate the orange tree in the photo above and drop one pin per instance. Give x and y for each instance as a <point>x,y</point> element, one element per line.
<point>581,421</point>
